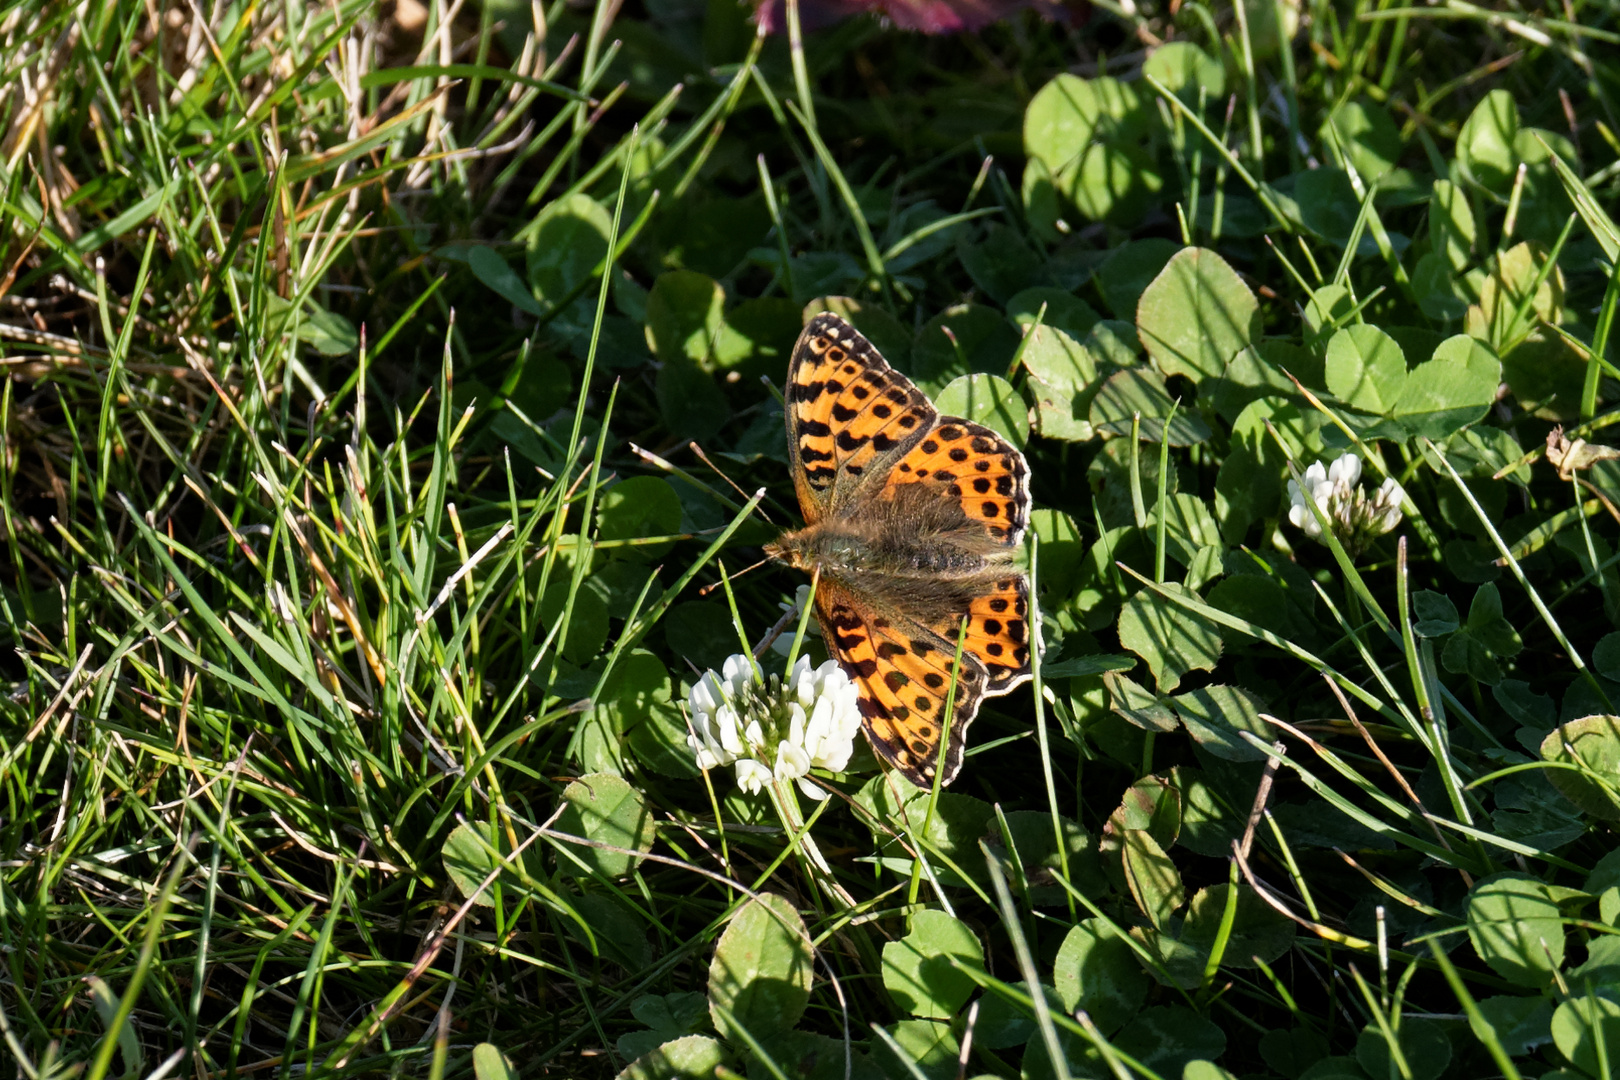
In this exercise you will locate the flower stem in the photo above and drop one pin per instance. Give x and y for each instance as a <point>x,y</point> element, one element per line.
<point>813,862</point>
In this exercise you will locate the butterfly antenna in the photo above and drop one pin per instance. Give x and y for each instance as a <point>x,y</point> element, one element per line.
<point>789,616</point>
<point>698,450</point>
<point>707,589</point>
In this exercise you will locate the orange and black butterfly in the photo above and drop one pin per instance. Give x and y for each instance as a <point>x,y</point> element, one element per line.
<point>913,521</point>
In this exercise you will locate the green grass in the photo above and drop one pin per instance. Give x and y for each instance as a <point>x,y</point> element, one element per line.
<point>377,404</point>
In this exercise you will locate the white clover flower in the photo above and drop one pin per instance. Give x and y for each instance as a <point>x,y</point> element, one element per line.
<point>784,641</point>
<point>1386,505</point>
<point>771,731</point>
<point>1356,519</point>
<point>714,738</point>
<point>1344,473</point>
<point>1322,491</point>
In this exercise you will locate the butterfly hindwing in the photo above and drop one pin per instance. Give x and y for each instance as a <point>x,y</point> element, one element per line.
<point>998,631</point>
<point>977,468</point>
<point>848,412</point>
<point>903,672</point>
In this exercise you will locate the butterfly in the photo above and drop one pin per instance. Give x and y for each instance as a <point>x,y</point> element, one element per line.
<point>912,522</point>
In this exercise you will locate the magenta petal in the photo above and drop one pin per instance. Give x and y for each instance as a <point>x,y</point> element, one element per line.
<point>923,16</point>
<point>947,16</point>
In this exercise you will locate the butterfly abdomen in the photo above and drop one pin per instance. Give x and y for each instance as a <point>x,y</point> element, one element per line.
<point>878,546</point>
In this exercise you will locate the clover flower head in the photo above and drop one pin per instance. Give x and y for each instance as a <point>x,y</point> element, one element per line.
<point>1356,519</point>
<point>773,730</point>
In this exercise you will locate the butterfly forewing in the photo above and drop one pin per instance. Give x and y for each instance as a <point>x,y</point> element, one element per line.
<point>848,414</point>
<point>904,671</point>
